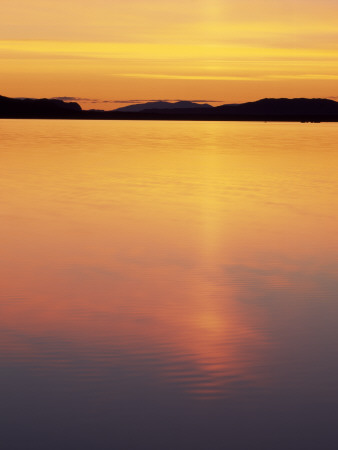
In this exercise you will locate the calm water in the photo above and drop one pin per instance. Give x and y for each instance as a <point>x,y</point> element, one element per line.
<point>168,286</point>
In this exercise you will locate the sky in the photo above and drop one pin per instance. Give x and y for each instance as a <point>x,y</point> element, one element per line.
<point>107,53</point>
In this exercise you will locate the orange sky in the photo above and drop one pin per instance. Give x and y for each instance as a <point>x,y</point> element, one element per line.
<point>222,51</point>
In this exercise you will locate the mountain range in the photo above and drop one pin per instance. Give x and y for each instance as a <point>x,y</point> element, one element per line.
<point>162,105</point>
<point>268,109</point>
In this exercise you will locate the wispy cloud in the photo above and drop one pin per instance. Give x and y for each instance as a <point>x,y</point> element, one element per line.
<point>166,100</point>
<point>73,99</point>
<point>188,77</point>
<point>130,101</point>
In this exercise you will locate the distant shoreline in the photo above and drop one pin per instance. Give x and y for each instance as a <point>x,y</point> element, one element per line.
<point>264,110</point>
<point>274,120</point>
<point>172,118</point>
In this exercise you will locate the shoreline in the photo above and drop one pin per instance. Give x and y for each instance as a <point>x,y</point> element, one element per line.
<point>172,117</point>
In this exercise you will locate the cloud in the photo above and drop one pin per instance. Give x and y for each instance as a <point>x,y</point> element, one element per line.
<point>188,77</point>
<point>164,100</point>
<point>72,99</point>
<point>130,101</point>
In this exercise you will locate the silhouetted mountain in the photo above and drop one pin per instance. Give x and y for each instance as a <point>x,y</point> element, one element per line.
<point>162,105</point>
<point>283,109</point>
<point>282,106</point>
<point>268,109</point>
<point>27,107</point>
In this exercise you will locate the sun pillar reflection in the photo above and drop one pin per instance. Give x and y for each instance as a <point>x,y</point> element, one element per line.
<point>222,343</point>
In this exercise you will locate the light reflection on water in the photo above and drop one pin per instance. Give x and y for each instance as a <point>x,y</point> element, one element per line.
<point>185,270</point>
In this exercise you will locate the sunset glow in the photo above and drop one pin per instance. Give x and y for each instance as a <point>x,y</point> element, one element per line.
<point>105,52</point>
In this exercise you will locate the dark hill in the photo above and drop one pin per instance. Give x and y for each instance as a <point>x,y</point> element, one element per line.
<point>282,106</point>
<point>34,108</point>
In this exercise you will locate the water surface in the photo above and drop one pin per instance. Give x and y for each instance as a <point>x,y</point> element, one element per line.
<point>168,285</point>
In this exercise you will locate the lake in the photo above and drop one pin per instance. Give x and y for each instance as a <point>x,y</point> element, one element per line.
<point>168,285</point>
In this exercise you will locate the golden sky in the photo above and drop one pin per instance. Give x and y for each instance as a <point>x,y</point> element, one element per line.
<point>214,50</point>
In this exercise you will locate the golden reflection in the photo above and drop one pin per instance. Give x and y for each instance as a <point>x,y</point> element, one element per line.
<point>156,244</point>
